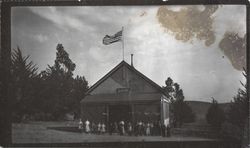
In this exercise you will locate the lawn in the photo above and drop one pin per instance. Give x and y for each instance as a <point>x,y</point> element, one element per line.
<point>43,132</point>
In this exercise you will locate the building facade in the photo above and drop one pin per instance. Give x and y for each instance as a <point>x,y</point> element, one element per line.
<point>125,94</point>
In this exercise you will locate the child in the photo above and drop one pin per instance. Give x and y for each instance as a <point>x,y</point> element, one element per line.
<point>99,128</point>
<point>103,130</point>
<point>80,125</point>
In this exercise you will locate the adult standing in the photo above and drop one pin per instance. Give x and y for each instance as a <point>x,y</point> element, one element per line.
<point>152,132</point>
<point>93,127</point>
<point>111,128</point>
<point>148,129</point>
<point>129,128</point>
<point>168,130</point>
<point>122,132</point>
<point>163,130</point>
<point>140,128</point>
<point>136,129</point>
<point>87,126</point>
<point>115,127</point>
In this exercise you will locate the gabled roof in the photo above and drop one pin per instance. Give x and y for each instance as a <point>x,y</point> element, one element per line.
<point>123,63</point>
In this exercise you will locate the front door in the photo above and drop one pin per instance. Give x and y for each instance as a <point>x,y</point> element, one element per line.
<point>118,113</point>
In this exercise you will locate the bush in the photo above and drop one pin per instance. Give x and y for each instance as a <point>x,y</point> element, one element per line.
<point>215,115</point>
<point>230,131</point>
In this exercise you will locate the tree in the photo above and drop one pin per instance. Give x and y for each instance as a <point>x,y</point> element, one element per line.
<point>215,115</point>
<point>58,84</point>
<point>23,74</point>
<point>238,111</point>
<point>169,89</point>
<point>63,62</point>
<point>80,87</point>
<point>169,85</point>
<point>237,125</point>
<point>48,95</point>
<point>61,90</point>
<point>180,111</point>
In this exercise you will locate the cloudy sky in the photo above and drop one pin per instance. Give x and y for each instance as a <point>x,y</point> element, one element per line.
<point>200,47</point>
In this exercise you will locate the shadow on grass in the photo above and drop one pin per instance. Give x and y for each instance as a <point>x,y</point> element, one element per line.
<point>66,129</point>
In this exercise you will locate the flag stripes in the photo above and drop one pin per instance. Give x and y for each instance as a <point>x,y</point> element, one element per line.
<point>114,38</point>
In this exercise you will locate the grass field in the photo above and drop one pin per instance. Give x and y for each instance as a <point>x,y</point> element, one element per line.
<point>38,132</point>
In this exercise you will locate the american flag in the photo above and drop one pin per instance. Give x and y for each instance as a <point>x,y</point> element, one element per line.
<point>114,38</point>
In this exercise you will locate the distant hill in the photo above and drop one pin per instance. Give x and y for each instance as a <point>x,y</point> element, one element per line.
<point>200,127</point>
<point>200,109</point>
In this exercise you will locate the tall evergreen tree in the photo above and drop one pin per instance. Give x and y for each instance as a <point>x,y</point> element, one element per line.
<point>238,112</point>
<point>23,74</point>
<point>237,121</point>
<point>59,82</point>
<point>62,90</point>
<point>80,87</point>
<point>169,89</point>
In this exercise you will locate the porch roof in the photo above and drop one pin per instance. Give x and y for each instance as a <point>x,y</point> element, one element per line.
<point>122,98</point>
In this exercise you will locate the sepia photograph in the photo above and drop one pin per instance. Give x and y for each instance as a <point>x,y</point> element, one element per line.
<point>129,76</point>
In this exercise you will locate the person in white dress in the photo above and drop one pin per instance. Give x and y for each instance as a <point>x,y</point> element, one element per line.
<point>103,128</point>
<point>122,124</point>
<point>99,128</point>
<point>87,126</point>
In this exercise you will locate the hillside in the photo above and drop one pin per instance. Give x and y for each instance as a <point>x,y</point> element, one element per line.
<point>199,128</point>
<point>200,109</point>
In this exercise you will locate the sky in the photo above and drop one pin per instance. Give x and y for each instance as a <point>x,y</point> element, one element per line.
<point>202,48</point>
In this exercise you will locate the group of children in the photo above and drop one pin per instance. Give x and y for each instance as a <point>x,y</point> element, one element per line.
<point>122,128</point>
<point>100,128</point>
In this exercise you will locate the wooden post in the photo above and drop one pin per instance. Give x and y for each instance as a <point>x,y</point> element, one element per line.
<point>162,120</point>
<point>133,114</point>
<point>107,118</point>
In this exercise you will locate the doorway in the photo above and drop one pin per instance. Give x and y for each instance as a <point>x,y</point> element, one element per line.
<point>118,113</point>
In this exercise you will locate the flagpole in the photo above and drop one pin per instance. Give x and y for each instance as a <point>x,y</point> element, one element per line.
<point>122,44</point>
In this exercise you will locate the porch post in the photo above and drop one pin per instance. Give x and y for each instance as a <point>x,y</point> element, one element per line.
<point>107,118</point>
<point>133,114</point>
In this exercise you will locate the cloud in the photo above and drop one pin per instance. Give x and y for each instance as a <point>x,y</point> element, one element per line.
<point>98,54</point>
<point>61,19</point>
<point>41,38</point>
<point>189,22</point>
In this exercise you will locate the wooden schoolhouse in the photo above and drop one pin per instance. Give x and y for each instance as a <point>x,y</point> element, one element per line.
<point>125,94</point>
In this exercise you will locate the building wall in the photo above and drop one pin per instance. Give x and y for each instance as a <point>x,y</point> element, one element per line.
<point>147,112</point>
<point>109,86</point>
<point>128,79</point>
<point>124,78</point>
<point>93,113</point>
